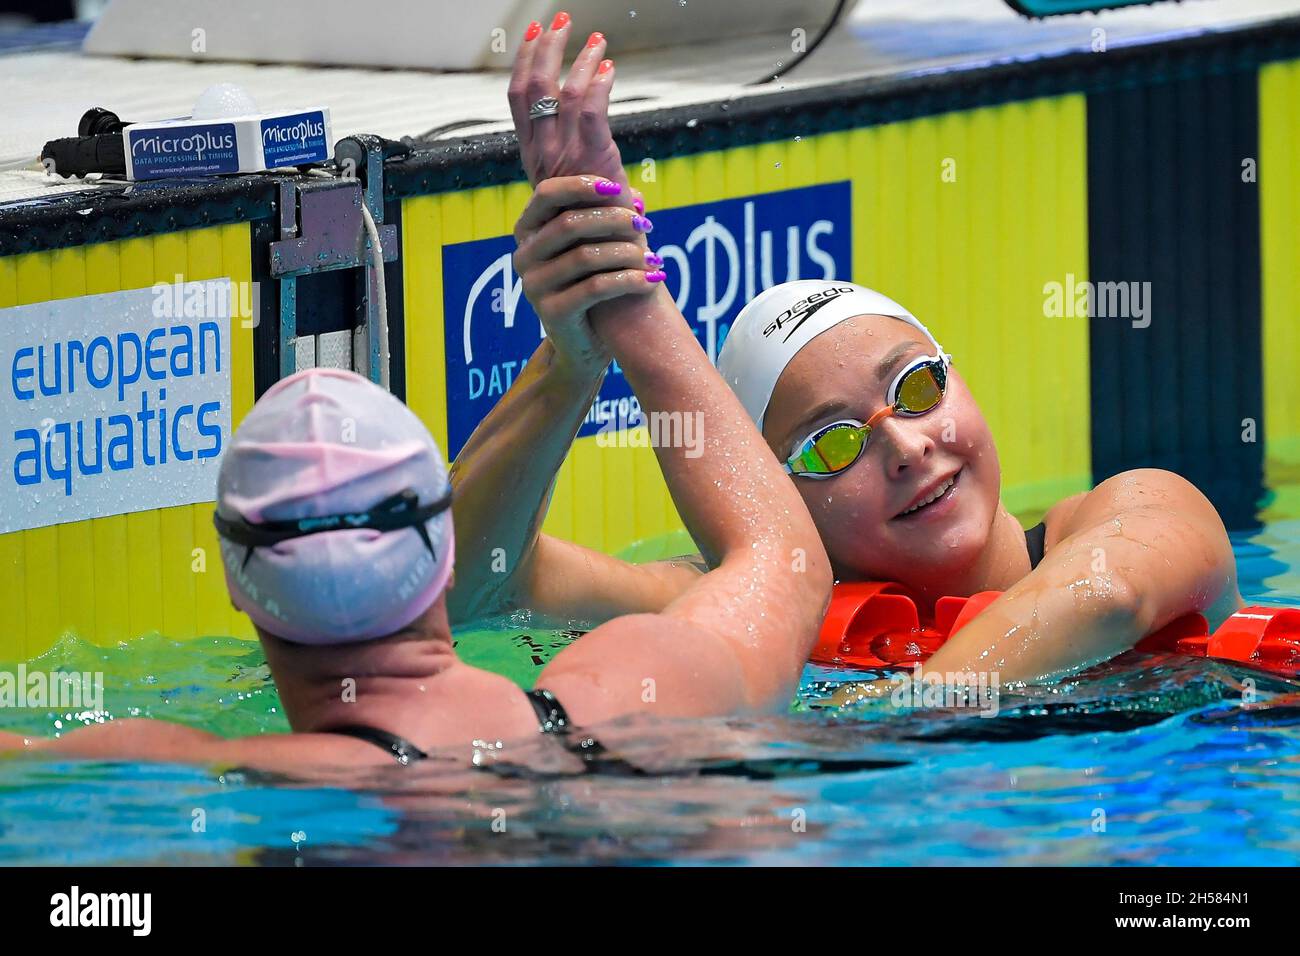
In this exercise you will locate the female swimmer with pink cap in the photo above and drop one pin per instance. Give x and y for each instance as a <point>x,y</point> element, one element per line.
<point>874,427</point>
<point>336,538</point>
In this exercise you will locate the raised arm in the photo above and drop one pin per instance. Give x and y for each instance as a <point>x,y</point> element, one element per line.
<point>737,638</point>
<point>579,244</point>
<point>504,475</point>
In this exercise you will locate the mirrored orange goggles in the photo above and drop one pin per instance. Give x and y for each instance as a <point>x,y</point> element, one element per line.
<point>917,389</point>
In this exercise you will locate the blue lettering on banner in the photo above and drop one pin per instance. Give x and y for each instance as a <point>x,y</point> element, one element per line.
<point>718,256</point>
<point>121,366</point>
<point>113,402</point>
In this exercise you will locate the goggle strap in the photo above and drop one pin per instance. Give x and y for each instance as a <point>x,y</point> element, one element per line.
<point>424,536</point>
<point>877,418</point>
<point>392,514</point>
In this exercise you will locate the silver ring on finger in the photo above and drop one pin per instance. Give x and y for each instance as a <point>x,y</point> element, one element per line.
<point>546,106</point>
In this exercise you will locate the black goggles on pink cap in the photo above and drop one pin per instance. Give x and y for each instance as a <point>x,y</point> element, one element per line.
<point>402,510</point>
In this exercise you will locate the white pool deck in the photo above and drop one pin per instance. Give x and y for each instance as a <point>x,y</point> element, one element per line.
<point>45,92</point>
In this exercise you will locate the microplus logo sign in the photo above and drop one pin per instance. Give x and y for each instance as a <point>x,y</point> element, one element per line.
<point>199,142</point>
<point>289,140</point>
<point>183,151</point>
<point>113,403</point>
<point>718,256</point>
<point>298,133</point>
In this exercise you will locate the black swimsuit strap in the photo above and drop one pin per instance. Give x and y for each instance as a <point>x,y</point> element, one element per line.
<point>552,718</point>
<point>403,751</point>
<point>1036,542</point>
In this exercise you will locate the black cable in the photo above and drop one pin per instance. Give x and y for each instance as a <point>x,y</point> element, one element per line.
<point>835,17</point>
<point>437,131</point>
<point>445,128</point>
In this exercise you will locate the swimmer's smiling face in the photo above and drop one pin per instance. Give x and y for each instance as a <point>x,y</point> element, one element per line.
<point>845,373</point>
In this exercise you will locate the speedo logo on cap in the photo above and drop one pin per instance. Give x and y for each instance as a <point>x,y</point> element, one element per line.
<point>804,309</point>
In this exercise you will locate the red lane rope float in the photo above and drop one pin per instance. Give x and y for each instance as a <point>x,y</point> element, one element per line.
<point>878,624</point>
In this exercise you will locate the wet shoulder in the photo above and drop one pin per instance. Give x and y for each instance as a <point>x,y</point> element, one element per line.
<point>1059,517</point>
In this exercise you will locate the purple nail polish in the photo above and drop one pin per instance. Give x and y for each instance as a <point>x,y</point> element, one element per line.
<point>638,205</point>
<point>607,187</point>
<point>657,276</point>
<point>653,260</point>
<point>642,224</point>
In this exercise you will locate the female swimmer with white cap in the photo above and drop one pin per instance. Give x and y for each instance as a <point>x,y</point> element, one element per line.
<point>876,429</point>
<point>337,540</point>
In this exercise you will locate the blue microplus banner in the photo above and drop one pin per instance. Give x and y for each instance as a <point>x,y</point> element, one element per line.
<point>293,140</point>
<point>718,256</point>
<point>198,150</point>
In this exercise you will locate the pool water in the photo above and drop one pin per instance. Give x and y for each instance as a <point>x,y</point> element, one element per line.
<point>1142,761</point>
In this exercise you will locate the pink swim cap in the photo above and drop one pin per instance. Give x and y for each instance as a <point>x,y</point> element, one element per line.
<point>327,442</point>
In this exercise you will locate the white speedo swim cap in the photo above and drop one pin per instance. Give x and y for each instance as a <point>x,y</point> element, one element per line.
<point>780,321</point>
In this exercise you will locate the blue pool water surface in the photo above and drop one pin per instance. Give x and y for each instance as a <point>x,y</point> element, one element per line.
<point>1143,761</point>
